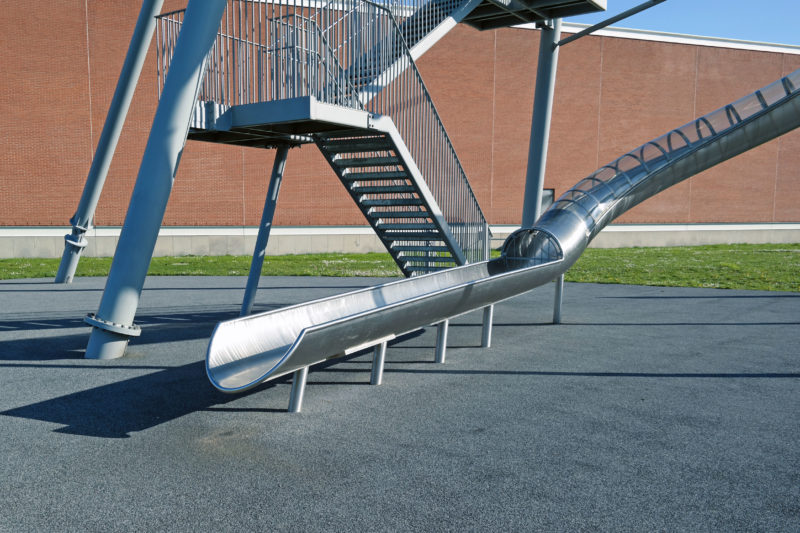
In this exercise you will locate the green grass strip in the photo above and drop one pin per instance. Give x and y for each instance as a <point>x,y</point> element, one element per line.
<point>767,267</point>
<point>372,264</point>
<point>773,267</point>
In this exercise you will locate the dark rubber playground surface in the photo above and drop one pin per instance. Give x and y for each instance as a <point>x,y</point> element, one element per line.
<point>648,409</point>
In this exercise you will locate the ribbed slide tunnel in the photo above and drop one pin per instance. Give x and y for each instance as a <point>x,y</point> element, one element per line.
<point>247,351</point>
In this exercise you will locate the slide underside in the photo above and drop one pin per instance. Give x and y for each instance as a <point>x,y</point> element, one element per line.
<point>247,351</point>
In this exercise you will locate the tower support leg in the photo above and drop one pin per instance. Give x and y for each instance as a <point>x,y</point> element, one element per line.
<point>137,240</point>
<point>540,122</point>
<point>75,242</point>
<point>263,230</point>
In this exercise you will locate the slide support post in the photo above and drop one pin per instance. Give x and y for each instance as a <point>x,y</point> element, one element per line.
<point>377,364</point>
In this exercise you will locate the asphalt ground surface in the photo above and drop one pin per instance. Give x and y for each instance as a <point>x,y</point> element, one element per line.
<point>648,409</point>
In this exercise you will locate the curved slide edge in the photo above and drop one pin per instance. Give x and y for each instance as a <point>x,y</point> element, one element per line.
<point>247,351</point>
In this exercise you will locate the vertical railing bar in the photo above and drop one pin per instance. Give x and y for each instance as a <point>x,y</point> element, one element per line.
<point>158,56</point>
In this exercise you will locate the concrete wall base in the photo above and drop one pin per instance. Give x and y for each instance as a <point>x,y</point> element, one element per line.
<point>49,242</point>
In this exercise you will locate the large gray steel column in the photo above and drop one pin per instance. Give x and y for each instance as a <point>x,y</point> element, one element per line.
<point>113,323</point>
<point>75,242</point>
<point>540,122</point>
<point>264,229</point>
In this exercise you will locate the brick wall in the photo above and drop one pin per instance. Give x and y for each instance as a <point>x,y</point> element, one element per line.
<point>62,59</point>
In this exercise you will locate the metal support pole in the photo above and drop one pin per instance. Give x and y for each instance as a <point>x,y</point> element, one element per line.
<point>377,364</point>
<point>441,340</point>
<point>486,336</point>
<point>558,298</point>
<point>298,388</point>
<point>540,122</point>
<point>113,323</point>
<point>75,242</point>
<point>263,229</point>
<point>488,312</point>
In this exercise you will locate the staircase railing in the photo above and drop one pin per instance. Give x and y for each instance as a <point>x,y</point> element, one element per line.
<point>273,50</point>
<point>339,52</point>
<point>264,51</point>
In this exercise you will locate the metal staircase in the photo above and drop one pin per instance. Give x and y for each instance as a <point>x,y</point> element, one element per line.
<point>381,133</point>
<point>372,168</point>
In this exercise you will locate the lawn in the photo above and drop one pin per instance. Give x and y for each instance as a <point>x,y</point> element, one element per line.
<point>774,267</point>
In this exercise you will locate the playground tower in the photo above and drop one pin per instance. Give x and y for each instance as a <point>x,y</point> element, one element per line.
<point>340,75</point>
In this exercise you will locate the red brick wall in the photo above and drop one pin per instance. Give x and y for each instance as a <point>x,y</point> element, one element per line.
<point>62,59</point>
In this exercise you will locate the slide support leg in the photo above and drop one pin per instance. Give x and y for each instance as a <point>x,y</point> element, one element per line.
<point>377,364</point>
<point>263,229</point>
<point>441,340</point>
<point>558,298</point>
<point>298,388</point>
<point>113,322</point>
<point>486,334</point>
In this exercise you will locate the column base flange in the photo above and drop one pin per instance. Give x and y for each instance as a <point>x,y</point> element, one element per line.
<point>120,329</point>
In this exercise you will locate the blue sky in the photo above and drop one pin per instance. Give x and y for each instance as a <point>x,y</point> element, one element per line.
<point>772,21</point>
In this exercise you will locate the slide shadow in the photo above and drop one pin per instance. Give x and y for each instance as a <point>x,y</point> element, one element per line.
<point>118,409</point>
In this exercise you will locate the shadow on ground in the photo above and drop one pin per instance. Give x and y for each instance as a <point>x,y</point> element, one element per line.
<point>118,409</point>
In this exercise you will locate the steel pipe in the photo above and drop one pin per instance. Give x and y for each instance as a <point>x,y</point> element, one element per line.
<point>81,221</point>
<point>540,122</point>
<point>378,358</point>
<point>298,390</point>
<point>264,228</point>
<point>486,330</point>
<point>558,298</point>
<point>441,340</point>
<point>154,182</point>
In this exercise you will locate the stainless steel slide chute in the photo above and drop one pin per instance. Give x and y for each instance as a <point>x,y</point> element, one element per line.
<point>294,337</point>
<point>247,351</point>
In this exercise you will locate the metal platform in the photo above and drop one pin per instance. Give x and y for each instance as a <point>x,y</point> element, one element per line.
<point>268,123</point>
<point>491,14</point>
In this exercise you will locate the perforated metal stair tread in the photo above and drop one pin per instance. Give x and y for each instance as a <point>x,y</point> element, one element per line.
<point>398,214</point>
<point>382,189</point>
<point>351,162</point>
<point>340,147</point>
<point>408,248</point>
<point>374,176</point>
<point>427,259</point>
<point>386,202</point>
<point>413,225</point>
<point>413,236</point>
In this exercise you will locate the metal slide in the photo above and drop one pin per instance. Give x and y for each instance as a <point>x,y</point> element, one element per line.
<point>247,351</point>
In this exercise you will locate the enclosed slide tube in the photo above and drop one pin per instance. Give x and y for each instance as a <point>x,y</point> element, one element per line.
<point>247,351</point>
